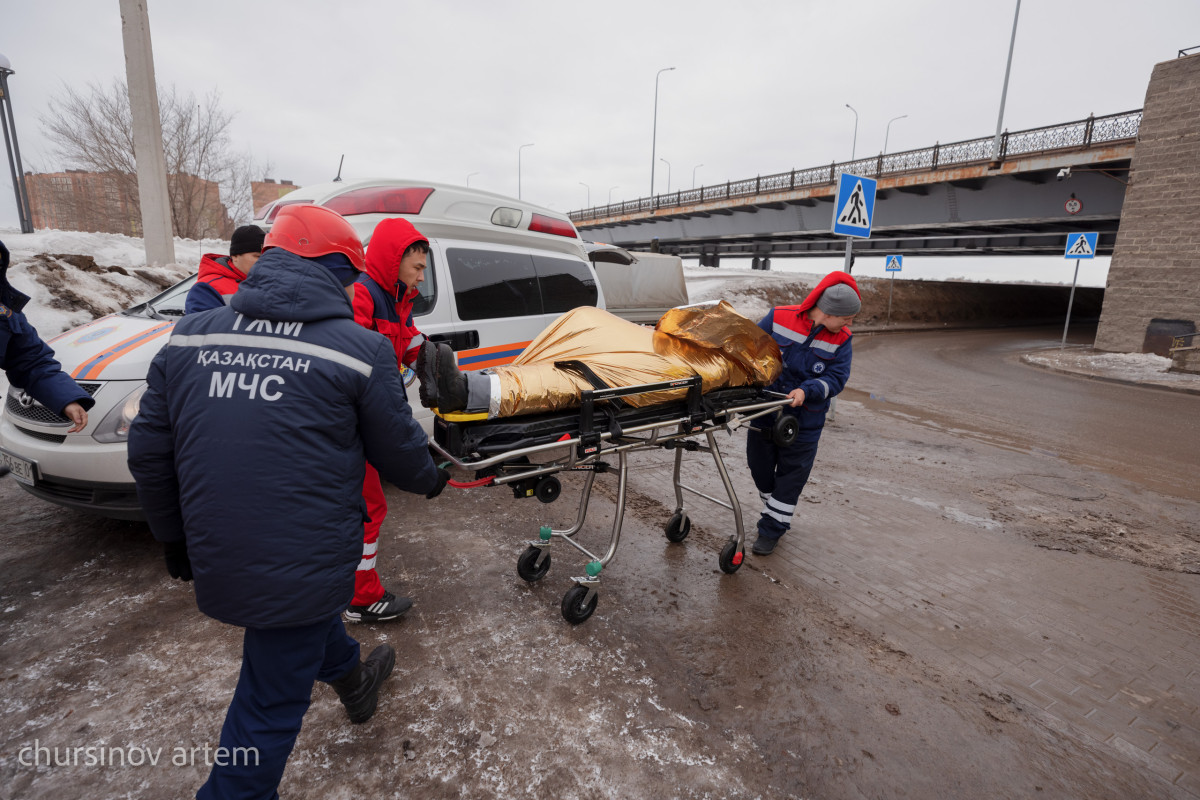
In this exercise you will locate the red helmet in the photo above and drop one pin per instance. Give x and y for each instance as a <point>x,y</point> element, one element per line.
<point>310,231</point>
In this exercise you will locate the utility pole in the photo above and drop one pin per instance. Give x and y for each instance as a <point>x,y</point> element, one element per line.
<point>153,196</point>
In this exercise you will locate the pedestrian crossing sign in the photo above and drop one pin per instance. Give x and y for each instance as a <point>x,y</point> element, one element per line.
<point>1081,245</point>
<point>893,263</point>
<point>854,207</point>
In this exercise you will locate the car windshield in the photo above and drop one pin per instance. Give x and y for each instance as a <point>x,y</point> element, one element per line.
<point>167,305</point>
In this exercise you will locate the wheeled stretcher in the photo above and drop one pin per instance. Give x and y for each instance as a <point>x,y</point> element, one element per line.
<point>526,453</point>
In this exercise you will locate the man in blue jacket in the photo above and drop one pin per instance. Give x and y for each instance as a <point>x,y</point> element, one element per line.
<point>248,453</point>
<point>814,339</point>
<point>29,363</point>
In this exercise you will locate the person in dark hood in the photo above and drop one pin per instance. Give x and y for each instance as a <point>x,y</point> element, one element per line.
<point>248,452</point>
<point>383,301</point>
<point>29,363</point>
<point>814,338</point>
<point>220,276</point>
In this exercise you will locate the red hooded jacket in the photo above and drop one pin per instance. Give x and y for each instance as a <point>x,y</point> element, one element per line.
<point>217,282</point>
<point>381,301</point>
<point>794,318</point>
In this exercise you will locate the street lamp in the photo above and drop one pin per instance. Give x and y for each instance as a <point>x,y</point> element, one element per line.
<point>668,163</point>
<point>469,178</point>
<point>519,149</point>
<point>654,136</point>
<point>698,166</point>
<point>888,132</point>
<point>610,193</point>
<point>1004,91</point>
<point>589,194</point>
<point>854,145</point>
<point>14,149</point>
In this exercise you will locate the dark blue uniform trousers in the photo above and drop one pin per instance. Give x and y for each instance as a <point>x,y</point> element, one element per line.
<point>779,475</point>
<point>279,666</point>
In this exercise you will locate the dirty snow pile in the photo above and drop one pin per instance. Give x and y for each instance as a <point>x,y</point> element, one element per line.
<point>72,277</point>
<point>1134,367</point>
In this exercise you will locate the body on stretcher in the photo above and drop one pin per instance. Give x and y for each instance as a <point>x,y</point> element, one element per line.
<point>526,453</point>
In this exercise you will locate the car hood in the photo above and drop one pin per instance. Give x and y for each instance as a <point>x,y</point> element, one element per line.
<point>118,347</point>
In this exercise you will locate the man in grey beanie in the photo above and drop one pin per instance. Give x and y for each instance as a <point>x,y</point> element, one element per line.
<point>815,342</point>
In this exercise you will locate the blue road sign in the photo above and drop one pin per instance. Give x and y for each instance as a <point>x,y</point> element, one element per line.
<point>1081,245</point>
<point>855,206</point>
<point>894,263</point>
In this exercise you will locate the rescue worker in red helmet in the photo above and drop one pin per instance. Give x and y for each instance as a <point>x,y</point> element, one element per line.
<point>248,451</point>
<point>220,275</point>
<point>383,301</point>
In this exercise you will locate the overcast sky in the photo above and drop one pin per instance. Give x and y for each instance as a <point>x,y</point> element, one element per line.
<point>441,90</point>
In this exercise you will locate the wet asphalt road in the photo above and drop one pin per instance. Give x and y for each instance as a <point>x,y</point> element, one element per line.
<point>973,383</point>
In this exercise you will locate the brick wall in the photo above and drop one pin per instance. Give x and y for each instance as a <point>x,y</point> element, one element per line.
<point>267,191</point>
<point>1154,280</point>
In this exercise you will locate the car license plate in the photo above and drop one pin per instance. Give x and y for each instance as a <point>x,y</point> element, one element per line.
<point>22,469</point>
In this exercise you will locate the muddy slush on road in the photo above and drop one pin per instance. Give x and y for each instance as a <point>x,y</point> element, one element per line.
<point>686,683</point>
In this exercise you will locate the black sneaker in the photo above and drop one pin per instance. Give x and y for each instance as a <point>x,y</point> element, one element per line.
<point>763,546</point>
<point>451,382</point>
<point>385,608</point>
<point>426,369</point>
<point>358,689</point>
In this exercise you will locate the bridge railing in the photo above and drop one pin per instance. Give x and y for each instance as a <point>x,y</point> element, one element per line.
<point>1078,135</point>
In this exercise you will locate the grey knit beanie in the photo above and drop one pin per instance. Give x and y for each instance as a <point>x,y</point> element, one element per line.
<point>839,300</point>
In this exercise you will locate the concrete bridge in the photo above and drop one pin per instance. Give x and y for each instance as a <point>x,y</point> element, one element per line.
<point>949,199</point>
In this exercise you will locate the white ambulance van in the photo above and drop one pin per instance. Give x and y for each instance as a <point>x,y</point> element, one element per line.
<point>500,270</point>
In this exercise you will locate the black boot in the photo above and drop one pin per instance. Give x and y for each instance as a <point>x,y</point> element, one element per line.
<point>451,382</point>
<point>359,689</point>
<point>426,368</point>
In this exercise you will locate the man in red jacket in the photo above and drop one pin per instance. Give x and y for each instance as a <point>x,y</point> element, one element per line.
<point>383,301</point>
<point>220,276</point>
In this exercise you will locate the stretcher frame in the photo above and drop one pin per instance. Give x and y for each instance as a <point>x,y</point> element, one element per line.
<point>678,429</point>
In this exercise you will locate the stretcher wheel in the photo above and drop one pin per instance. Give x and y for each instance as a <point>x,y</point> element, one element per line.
<point>785,430</point>
<point>678,527</point>
<point>731,557</point>
<point>527,566</point>
<point>548,489</point>
<point>574,610</point>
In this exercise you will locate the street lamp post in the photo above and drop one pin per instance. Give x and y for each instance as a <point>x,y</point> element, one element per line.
<point>698,166</point>
<point>888,132</point>
<point>24,214</point>
<point>519,149</point>
<point>1004,91</point>
<point>854,144</point>
<point>589,193</point>
<point>610,193</point>
<point>469,178</point>
<point>654,135</point>
<point>668,163</point>
<point>849,265</point>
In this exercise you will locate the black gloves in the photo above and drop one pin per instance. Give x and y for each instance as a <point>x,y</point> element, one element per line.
<point>178,564</point>
<point>443,477</point>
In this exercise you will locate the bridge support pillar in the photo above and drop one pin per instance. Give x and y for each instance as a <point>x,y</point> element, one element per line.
<point>756,263</point>
<point>766,263</point>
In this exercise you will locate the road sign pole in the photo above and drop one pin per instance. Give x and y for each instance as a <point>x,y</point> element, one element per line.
<point>849,265</point>
<point>891,288</point>
<point>1070,302</point>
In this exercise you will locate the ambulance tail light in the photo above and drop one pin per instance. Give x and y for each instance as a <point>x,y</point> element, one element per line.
<point>380,200</point>
<point>559,227</point>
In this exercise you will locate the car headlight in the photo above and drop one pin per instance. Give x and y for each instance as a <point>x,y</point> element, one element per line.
<point>115,425</point>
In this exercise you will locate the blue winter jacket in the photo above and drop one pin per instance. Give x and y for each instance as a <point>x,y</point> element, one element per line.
<point>251,441</point>
<point>28,361</point>
<point>821,370</point>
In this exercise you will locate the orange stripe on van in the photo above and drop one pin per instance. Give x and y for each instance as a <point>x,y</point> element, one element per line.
<point>92,368</point>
